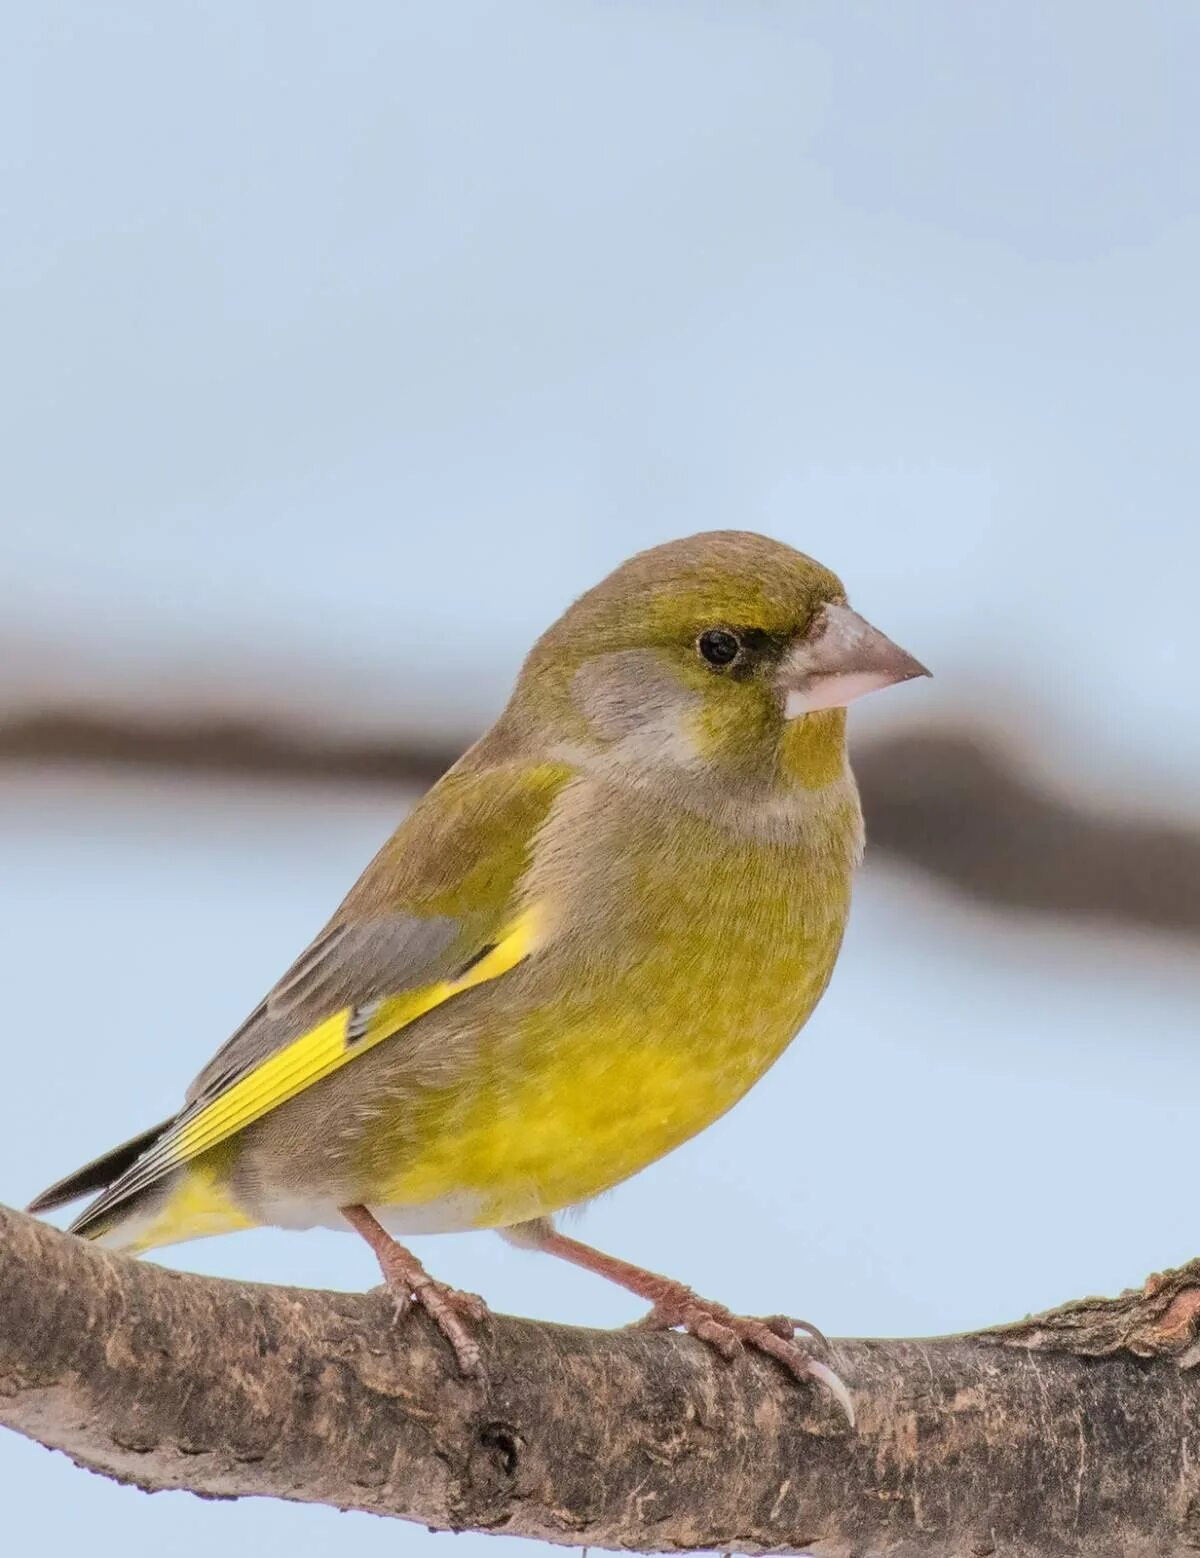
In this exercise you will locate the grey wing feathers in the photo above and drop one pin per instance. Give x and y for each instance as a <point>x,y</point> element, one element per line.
<point>346,965</point>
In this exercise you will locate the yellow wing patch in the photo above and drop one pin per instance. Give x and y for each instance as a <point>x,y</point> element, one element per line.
<point>331,1045</point>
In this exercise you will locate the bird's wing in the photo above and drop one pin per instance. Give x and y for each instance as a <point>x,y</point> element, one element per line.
<point>388,958</point>
<point>346,966</point>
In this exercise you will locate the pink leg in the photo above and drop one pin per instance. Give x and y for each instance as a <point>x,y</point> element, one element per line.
<point>673,1304</point>
<point>409,1282</point>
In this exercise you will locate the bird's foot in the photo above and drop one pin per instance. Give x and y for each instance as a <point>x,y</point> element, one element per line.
<point>681,1309</point>
<point>451,1310</point>
<point>675,1305</point>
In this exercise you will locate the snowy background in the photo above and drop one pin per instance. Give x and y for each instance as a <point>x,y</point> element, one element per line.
<point>344,344</point>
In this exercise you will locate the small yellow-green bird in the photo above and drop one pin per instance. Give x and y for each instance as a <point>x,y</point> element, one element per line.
<point>580,948</point>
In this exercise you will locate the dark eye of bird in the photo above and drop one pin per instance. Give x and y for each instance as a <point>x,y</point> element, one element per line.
<point>718,646</point>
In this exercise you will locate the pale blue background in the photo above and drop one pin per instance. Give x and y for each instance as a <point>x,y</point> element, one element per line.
<point>343,343</point>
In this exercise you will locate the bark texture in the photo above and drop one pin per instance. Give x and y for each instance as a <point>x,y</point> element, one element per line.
<point>1073,1432</point>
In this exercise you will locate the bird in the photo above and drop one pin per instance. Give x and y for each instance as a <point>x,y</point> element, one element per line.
<point>581,947</point>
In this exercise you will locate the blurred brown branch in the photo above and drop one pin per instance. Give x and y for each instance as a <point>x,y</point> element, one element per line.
<point>953,803</point>
<point>218,748</point>
<point>957,805</point>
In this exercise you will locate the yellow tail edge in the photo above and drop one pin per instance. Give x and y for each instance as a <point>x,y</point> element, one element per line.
<point>191,1204</point>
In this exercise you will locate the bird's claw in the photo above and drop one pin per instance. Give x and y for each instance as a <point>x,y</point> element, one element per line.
<point>449,1308</point>
<point>787,1326</point>
<point>729,1333</point>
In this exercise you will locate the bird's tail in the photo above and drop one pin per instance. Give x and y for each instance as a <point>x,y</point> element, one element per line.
<point>100,1173</point>
<point>188,1203</point>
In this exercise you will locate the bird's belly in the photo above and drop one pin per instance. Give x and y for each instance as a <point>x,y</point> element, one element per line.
<point>527,1154</point>
<point>582,1111</point>
<point>545,1088</point>
<point>577,1118</point>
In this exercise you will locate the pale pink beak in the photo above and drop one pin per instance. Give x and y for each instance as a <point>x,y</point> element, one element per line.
<point>840,658</point>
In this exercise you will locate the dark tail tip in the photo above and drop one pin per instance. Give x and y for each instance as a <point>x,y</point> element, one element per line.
<point>98,1174</point>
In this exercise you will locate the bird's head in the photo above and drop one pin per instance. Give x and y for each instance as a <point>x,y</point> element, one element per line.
<point>725,653</point>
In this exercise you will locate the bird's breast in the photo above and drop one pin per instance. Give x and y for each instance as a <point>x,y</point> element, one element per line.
<point>680,961</point>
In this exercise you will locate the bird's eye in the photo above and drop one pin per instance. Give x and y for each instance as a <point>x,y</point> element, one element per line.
<point>718,646</point>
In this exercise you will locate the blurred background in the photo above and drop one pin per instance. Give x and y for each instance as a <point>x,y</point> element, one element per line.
<point>345,344</point>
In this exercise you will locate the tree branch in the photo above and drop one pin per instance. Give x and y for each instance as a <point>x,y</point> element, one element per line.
<point>1075,1432</point>
<point>217,747</point>
<point>951,802</point>
<point>956,804</point>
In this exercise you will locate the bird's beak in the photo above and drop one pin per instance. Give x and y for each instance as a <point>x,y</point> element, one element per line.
<point>840,658</point>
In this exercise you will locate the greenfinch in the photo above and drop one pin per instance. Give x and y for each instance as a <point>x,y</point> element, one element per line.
<point>580,948</point>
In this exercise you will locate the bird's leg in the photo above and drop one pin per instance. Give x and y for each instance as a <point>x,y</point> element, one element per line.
<point>409,1283</point>
<point>673,1304</point>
